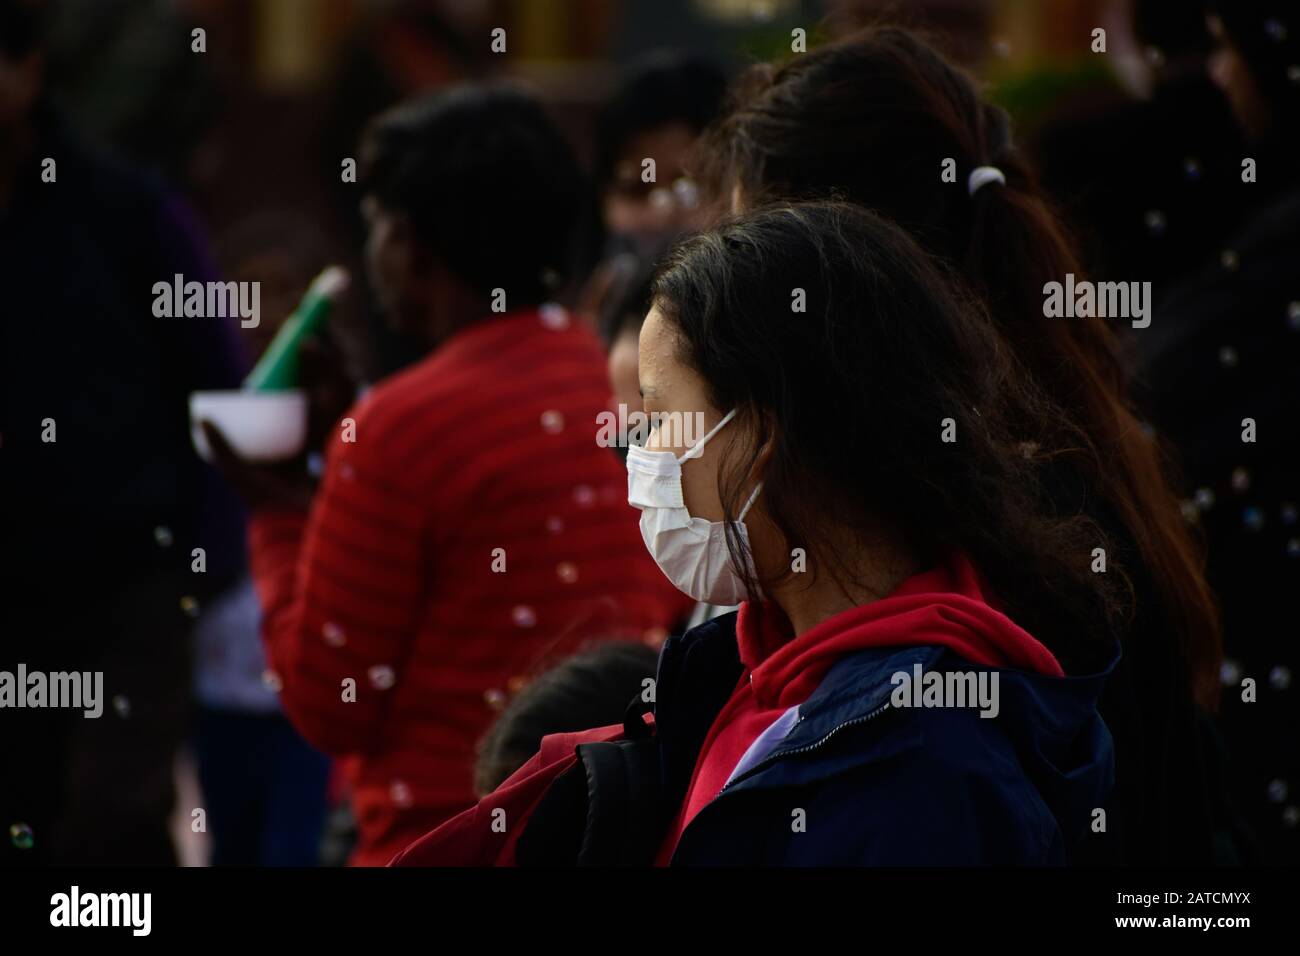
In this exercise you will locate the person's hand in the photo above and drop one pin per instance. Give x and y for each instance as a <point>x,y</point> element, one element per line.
<point>331,390</point>
<point>278,486</point>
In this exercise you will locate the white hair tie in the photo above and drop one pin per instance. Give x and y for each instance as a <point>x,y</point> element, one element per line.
<point>982,176</point>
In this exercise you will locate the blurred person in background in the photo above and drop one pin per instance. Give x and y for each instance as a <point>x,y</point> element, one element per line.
<point>624,309</point>
<point>127,75</point>
<point>592,688</point>
<point>107,499</point>
<point>1148,179</point>
<point>1224,348</point>
<point>664,102</point>
<point>264,787</point>
<point>468,524</point>
<point>662,106</point>
<point>871,119</point>
<point>402,50</point>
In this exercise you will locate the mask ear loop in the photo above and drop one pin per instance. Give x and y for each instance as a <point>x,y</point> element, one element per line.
<point>740,523</point>
<point>698,448</point>
<point>750,503</point>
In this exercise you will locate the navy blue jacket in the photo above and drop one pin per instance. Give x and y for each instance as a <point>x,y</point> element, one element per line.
<point>880,785</point>
<point>856,782</point>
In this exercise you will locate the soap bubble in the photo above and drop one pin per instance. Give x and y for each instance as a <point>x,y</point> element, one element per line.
<point>554,317</point>
<point>1253,519</point>
<point>333,634</point>
<point>552,422</point>
<point>687,193</point>
<point>20,834</point>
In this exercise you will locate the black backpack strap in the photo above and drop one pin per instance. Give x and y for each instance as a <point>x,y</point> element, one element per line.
<point>605,811</point>
<point>624,820</point>
<point>554,831</point>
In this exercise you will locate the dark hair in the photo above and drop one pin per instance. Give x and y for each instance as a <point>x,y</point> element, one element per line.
<point>852,395</point>
<point>492,187</point>
<point>661,88</point>
<point>628,299</point>
<point>871,119</point>
<point>23,26</point>
<point>589,689</point>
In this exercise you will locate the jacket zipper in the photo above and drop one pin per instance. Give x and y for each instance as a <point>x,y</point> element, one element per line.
<point>766,761</point>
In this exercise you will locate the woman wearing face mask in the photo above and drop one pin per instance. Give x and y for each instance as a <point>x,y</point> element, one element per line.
<point>872,119</point>
<point>912,676</point>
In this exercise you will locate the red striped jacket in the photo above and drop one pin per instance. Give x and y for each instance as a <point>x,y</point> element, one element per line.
<point>471,531</point>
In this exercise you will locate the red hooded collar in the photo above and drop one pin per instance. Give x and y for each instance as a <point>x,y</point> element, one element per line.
<point>947,606</point>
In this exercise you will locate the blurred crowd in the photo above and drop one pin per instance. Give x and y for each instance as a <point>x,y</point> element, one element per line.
<point>386,628</point>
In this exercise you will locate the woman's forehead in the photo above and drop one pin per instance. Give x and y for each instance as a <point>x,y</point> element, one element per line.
<point>656,357</point>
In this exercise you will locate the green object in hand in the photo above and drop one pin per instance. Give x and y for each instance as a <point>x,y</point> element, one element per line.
<point>277,369</point>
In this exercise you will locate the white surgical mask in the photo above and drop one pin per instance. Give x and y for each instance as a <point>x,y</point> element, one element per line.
<point>692,552</point>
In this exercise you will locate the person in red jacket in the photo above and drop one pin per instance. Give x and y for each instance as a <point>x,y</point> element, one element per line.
<point>468,525</point>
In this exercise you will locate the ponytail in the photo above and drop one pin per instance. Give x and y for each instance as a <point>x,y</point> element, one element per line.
<point>1016,246</point>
